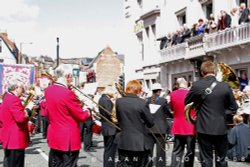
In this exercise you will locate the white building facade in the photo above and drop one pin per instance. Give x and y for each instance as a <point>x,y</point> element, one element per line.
<point>6,56</point>
<point>154,19</point>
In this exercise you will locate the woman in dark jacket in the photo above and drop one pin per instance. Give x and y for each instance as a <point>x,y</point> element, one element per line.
<point>134,118</point>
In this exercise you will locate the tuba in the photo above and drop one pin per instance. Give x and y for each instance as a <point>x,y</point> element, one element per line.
<point>225,74</point>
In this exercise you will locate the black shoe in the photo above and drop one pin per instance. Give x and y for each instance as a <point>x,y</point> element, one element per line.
<point>89,150</point>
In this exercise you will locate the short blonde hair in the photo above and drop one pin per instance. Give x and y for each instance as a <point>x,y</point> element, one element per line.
<point>238,119</point>
<point>133,87</point>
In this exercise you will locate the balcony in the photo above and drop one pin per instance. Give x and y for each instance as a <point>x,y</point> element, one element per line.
<point>195,47</point>
<point>227,38</point>
<point>173,53</point>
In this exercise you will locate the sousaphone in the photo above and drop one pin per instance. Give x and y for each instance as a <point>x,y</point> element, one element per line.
<point>225,74</point>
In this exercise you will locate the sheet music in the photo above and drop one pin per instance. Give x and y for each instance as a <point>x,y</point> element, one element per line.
<point>153,108</point>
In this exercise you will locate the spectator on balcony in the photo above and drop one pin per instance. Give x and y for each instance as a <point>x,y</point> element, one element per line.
<point>177,38</point>
<point>235,17</point>
<point>202,26</point>
<point>211,25</point>
<point>224,21</point>
<point>164,42</point>
<point>186,33</point>
<point>194,30</point>
<point>244,16</point>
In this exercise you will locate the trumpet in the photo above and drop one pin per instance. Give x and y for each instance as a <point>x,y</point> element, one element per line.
<point>97,113</point>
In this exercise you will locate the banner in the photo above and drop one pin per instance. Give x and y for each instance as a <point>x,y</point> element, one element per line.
<point>25,73</point>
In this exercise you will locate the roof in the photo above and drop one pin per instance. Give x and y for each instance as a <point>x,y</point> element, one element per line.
<point>105,51</point>
<point>10,44</point>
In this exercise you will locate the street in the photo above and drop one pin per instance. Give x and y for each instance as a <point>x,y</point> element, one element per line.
<point>37,155</point>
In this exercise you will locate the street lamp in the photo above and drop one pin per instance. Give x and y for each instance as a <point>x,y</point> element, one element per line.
<point>21,53</point>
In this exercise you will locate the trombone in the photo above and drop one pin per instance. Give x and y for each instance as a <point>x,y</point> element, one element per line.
<point>97,113</point>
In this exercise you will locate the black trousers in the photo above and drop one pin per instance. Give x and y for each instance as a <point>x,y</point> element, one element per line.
<point>63,159</point>
<point>45,126</point>
<point>109,151</point>
<point>87,134</point>
<point>133,158</point>
<point>13,158</point>
<point>179,145</point>
<point>208,143</point>
<point>160,159</point>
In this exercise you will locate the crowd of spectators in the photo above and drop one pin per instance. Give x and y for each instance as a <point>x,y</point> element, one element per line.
<point>237,16</point>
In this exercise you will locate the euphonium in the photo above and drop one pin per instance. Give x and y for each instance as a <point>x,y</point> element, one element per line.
<point>225,74</point>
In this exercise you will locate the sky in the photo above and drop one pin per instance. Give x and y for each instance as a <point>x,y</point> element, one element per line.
<point>84,27</point>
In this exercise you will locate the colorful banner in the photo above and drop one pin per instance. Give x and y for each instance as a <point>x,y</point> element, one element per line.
<point>25,73</point>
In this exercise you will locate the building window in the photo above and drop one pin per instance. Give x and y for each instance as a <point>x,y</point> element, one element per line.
<point>140,40</point>
<point>181,16</point>
<point>139,3</point>
<point>208,10</point>
<point>154,33</point>
<point>147,31</point>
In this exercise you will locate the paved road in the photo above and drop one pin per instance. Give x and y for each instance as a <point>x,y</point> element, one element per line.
<point>37,155</point>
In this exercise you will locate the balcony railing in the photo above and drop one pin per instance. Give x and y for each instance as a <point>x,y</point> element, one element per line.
<point>227,38</point>
<point>195,47</point>
<point>173,53</point>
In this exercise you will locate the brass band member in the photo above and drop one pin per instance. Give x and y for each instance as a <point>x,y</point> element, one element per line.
<point>15,134</point>
<point>160,128</point>
<point>211,123</point>
<point>133,116</point>
<point>64,114</point>
<point>108,131</point>
<point>184,131</point>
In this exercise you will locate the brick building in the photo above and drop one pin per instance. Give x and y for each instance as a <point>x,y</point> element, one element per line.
<point>106,67</point>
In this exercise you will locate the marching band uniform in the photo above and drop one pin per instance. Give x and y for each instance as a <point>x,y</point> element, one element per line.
<point>134,141</point>
<point>160,128</point>
<point>108,132</point>
<point>211,123</point>
<point>64,115</point>
<point>184,131</point>
<point>15,134</point>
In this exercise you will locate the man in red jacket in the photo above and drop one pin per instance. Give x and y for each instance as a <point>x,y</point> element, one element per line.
<point>184,131</point>
<point>64,115</point>
<point>15,135</point>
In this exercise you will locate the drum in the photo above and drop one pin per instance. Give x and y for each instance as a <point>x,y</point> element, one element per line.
<point>97,128</point>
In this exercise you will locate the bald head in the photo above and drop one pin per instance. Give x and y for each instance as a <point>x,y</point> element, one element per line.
<point>182,83</point>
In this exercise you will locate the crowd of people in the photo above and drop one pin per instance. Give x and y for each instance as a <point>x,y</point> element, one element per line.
<point>134,126</point>
<point>236,17</point>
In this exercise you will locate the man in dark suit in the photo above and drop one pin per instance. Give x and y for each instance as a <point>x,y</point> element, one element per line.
<point>239,140</point>
<point>211,123</point>
<point>160,127</point>
<point>244,17</point>
<point>133,116</point>
<point>108,131</point>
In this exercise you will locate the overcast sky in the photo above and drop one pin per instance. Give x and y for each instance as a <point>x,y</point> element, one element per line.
<point>84,27</point>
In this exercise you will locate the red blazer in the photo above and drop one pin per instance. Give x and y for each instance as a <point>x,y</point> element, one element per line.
<point>180,125</point>
<point>14,134</point>
<point>1,125</point>
<point>43,108</point>
<point>64,115</point>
